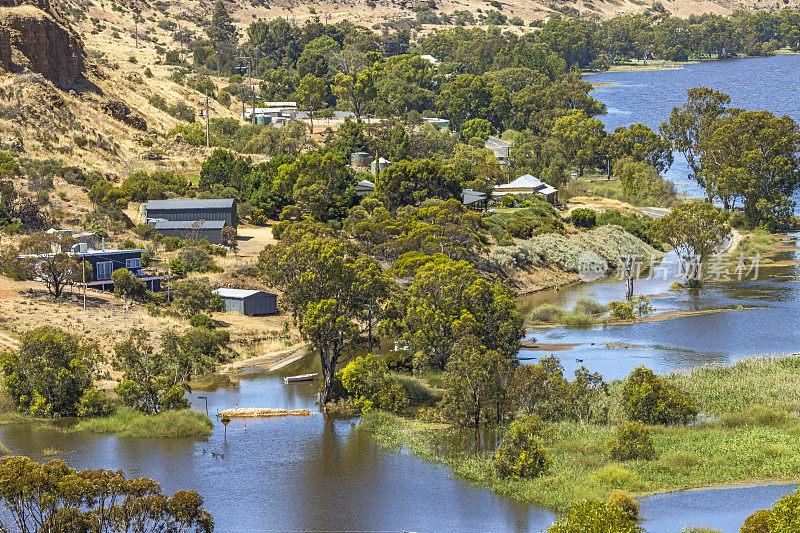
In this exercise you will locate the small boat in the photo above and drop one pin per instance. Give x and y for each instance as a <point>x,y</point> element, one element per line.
<point>301,377</point>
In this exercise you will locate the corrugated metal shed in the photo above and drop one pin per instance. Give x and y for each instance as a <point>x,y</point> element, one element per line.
<point>191,203</point>
<point>191,209</point>
<point>209,230</point>
<point>248,302</point>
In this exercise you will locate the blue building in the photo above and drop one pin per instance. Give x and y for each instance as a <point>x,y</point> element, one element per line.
<point>105,262</point>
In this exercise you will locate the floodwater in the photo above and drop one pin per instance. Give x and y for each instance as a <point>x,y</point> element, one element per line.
<point>318,474</point>
<point>757,315</point>
<point>755,84</point>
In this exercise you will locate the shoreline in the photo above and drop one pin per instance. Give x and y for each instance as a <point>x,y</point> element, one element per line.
<point>271,361</point>
<point>744,438</point>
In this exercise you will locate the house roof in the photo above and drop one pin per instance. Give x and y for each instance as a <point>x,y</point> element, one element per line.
<point>189,224</point>
<point>471,196</point>
<point>110,252</point>
<point>365,184</point>
<point>191,203</point>
<point>225,292</point>
<point>493,143</point>
<point>523,182</point>
<point>547,190</point>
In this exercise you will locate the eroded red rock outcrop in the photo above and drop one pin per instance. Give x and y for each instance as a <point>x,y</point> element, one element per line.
<point>35,37</point>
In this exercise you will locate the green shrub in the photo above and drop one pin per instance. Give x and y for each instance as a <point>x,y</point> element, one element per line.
<point>196,258</point>
<point>508,201</point>
<point>368,384</point>
<point>200,320</point>
<point>545,314</point>
<point>95,403</point>
<point>400,360</point>
<point>651,399</point>
<point>583,218</point>
<point>521,453</point>
<point>593,516</point>
<point>50,373</point>
<point>587,306</point>
<point>616,477</point>
<point>755,415</point>
<point>621,310</point>
<point>783,518</point>
<point>192,296</point>
<point>168,424</point>
<point>758,522</point>
<point>625,502</point>
<point>578,320</point>
<point>127,285</point>
<point>632,441</point>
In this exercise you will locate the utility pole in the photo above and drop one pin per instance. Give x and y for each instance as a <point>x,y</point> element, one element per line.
<point>252,90</point>
<point>208,127</point>
<point>83,268</point>
<point>136,28</point>
<point>250,86</point>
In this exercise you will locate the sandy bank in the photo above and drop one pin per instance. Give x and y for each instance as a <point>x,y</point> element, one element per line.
<point>259,412</point>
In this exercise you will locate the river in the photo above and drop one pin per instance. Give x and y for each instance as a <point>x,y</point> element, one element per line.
<point>313,474</point>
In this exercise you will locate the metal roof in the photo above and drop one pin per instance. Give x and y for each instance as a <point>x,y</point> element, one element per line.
<point>238,293</point>
<point>366,184</point>
<point>189,224</point>
<point>190,203</point>
<point>493,142</point>
<point>523,182</point>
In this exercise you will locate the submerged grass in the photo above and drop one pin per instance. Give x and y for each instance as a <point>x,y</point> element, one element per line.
<point>583,315</point>
<point>168,424</point>
<point>759,242</point>
<point>748,432</point>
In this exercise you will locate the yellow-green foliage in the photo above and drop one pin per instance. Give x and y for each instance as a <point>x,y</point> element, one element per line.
<point>368,383</point>
<point>651,399</point>
<point>758,242</point>
<point>616,477</point>
<point>625,502</point>
<point>753,438</point>
<point>632,441</point>
<point>130,423</point>
<point>594,516</point>
<point>752,381</point>
<point>521,453</point>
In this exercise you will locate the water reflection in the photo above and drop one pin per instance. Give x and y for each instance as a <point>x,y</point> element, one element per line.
<point>682,341</point>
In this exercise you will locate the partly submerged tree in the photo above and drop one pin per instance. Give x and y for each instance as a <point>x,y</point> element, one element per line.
<point>696,230</point>
<point>328,285</point>
<point>155,380</point>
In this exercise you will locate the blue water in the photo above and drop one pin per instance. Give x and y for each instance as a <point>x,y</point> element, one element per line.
<point>755,84</point>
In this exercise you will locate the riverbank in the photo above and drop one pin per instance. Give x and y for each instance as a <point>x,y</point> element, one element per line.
<point>125,422</point>
<point>747,433</point>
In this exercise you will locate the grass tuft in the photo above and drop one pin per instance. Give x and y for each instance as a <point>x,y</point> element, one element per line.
<point>168,424</point>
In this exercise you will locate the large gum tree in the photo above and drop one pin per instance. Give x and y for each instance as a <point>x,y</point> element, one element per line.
<point>332,289</point>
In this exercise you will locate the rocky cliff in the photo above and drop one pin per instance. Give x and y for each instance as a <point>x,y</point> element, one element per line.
<point>35,37</point>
